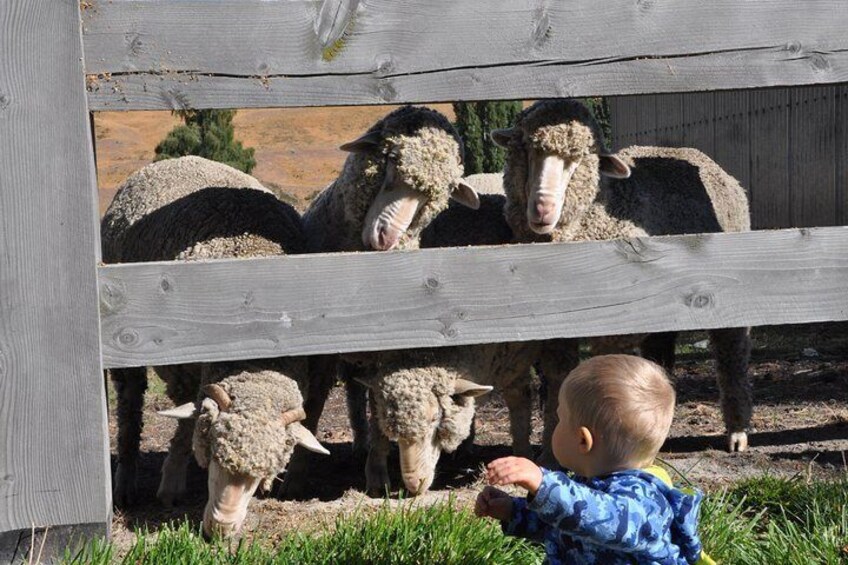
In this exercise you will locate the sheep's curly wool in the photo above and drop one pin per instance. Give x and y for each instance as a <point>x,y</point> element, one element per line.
<point>403,397</point>
<point>428,155</point>
<point>561,127</point>
<point>670,191</point>
<point>250,437</point>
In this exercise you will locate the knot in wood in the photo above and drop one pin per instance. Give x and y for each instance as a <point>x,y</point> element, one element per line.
<point>793,47</point>
<point>386,91</point>
<point>450,332</point>
<point>431,284</point>
<point>384,64</point>
<point>134,43</point>
<point>165,284</point>
<point>699,300</point>
<point>127,337</point>
<point>5,101</point>
<point>819,62</point>
<point>3,369</point>
<point>112,296</point>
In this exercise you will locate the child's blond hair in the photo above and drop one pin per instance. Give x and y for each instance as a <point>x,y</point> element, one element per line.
<point>626,401</point>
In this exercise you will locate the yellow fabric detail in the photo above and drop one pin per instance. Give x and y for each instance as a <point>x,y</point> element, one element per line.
<point>662,474</point>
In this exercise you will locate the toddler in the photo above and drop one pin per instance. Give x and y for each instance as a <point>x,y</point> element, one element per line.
<point>610,506</point>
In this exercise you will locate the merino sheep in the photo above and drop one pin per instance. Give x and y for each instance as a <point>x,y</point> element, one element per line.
<point>188,209</point>
<point>399,175</point>
<point>423,399</point>
<point>562,184</point>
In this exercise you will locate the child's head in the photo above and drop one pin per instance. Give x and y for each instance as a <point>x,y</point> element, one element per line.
<point>614,413</point>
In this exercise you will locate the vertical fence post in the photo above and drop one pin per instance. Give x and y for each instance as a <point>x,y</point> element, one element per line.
<point>54,464</point>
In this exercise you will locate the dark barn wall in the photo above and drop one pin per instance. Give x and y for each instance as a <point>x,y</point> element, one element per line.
<point>787,146</point>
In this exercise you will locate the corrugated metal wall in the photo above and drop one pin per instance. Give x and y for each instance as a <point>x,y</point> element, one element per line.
<point>787,146</point>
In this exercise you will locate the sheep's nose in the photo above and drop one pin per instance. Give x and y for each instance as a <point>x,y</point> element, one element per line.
<point>386,239</point>
<point>544,210</point>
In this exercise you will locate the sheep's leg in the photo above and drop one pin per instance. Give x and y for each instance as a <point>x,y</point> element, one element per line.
<point>659,348</point>
<point>181,385</point>
<point>130,385</point>
<point>321,376</point>
<point>172,485</point>
<point>732,350</point>
<point>357,399</point>
<point>377,482</point>
<point>518,397</point>
<point>558,358</point>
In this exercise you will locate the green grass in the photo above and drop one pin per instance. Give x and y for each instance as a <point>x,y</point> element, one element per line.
<point>759,521</point>
<point>414,534</point>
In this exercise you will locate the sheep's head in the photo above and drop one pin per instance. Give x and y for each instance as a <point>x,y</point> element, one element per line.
<point>556,156</point>
<point>426,410</point>
<point>247,426</point>
<point>413,165</point>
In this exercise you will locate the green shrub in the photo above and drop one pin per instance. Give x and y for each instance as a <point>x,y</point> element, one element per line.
<point>209,134</point>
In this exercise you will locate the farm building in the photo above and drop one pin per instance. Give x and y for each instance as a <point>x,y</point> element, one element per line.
<point>759,84</point>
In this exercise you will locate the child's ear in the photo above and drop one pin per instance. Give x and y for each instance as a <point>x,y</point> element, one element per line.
<point>586,441</point>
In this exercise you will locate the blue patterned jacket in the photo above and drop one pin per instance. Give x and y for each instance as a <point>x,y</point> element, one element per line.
<point>626,517</point>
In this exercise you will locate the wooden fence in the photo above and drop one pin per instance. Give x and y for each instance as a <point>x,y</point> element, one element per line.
<point>787,146</point>
<point>60,60</point>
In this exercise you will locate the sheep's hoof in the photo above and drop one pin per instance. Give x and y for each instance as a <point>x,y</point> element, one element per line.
<point>737,442</point>
<point>125,492</point>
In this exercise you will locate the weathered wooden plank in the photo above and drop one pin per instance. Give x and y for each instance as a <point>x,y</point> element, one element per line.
<point>813,156</point>
<point>769,142</point>
<point>699,121</point>
<point>54,464</point>
<point>509,81</point>
<point>292,37</point>
<point>160,313</point>
<point>732,149</point>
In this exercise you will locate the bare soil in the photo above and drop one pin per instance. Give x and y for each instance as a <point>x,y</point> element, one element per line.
<point>800,373</point>
<point>800,428</point>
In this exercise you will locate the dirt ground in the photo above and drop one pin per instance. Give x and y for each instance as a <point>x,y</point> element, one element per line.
<point>800,428</point>
<point>800,374</point>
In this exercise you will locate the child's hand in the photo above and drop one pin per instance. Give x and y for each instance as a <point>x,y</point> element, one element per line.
<point>514,471</point>
<point>494,503</point>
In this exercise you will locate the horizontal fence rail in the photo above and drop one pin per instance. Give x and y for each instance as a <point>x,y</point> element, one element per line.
<point>175,54</point>
<point>162,313</point>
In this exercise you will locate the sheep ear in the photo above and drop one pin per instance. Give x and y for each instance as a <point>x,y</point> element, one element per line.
<point>612,166</point>
<point>305,438</point>
<point>465,194</point>
<point>183,412</point>
<point>364,144</point>
<point>502,136</point>
<point>469,389</point>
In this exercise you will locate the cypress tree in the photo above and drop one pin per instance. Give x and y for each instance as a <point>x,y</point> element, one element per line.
<point>209,134</point>
<point>474,122</point>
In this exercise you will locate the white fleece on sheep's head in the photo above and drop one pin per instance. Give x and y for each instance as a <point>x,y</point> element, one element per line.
<point>428,154</point>
<point>249,438</point>
<point>402,397</point>
<point>565,128</point>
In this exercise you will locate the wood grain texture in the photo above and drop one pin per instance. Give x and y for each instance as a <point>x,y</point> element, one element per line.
<point>748,69</point>
<point>161,313</point>
<point>155,54</point>
<point>54,452</point>
<point>699,121</point>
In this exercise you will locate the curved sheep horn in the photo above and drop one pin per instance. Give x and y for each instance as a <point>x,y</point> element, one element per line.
<point>221,398</point>
<point>502,136</point>
<point>182,412</point>
<point>463,387</point>
<point>305,438</point>
<point>293,415</point>
<point>364,144</point>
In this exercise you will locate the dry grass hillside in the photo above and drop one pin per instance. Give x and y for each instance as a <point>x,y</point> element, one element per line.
<point>296,148</point>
